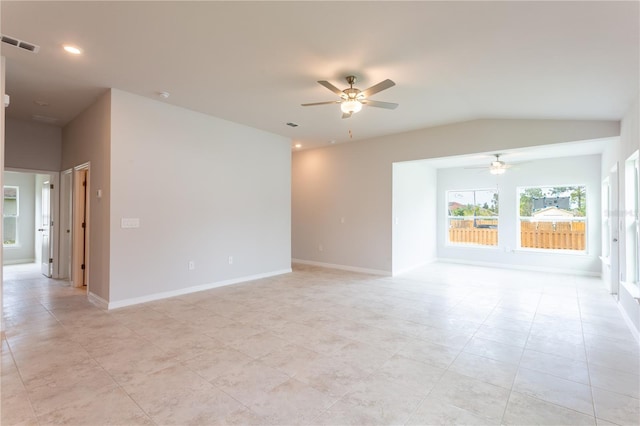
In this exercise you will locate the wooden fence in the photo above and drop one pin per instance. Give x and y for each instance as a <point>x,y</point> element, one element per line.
<point>543,235</point>
<point>556,236</point>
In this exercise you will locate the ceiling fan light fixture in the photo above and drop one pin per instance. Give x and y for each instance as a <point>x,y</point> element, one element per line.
<point>497,170</point>
<point>351,106</point>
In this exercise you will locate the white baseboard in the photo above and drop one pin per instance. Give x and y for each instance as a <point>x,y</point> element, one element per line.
<point>342,267</point>
<point>98,301</point>
<point>166,294</point>
<point>521,267</point>
<point>630,325</point>
<point>412,268</point>
<point>17,261</point>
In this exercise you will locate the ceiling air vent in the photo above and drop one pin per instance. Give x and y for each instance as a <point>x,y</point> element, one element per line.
<point>19,43</point>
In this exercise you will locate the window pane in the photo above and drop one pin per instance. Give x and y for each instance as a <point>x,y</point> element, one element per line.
<point>553,218</point>
<point>10,230</point>
<point>473,217</point>
<point>10,201</point>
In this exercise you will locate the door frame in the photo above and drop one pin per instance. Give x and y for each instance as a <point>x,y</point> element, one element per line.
<point>614,229</point>
<point>66,215</point>
<point>46,224</point>
<point>80,252</point>
<point>54,201</point>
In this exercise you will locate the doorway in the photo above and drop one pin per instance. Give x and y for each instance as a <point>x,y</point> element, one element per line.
<point>80,227</point>
<point>29,219</point>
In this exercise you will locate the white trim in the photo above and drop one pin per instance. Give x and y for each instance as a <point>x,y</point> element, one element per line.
<point>627,320</point>
<point>342,267</point>
<point>97,300</point>
<point>522,267</point>
<point>194,289</point>
<point>414,267</point>
<point>632,289</point>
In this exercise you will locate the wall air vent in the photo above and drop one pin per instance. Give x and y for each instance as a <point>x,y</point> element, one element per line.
<point>20,44</point>
<point>44,119</point>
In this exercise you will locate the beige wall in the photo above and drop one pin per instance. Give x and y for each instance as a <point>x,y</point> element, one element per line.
<point>32,146</point>
<point>87,139</point>
<point>354,181</point>
<point>203,189</point>
<point>2,132</point>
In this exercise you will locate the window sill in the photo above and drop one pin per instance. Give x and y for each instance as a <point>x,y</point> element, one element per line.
<point>471,246</point>
<point>12,246</point>
<point>632,288</point>
<point>552,251</point>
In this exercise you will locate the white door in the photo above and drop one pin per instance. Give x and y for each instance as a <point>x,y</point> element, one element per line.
<point>66,208</point>
<point>614,231</point>
<point>46,263</point>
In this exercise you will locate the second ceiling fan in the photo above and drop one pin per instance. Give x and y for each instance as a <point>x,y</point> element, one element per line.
<point>352,99</point>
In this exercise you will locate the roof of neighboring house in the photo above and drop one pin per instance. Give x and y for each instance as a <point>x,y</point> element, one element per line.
<point>552,212</point>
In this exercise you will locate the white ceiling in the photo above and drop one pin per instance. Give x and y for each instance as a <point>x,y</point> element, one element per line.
<point>255,62</point>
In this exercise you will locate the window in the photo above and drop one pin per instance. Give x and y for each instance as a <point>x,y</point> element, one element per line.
<point>632,221</point>
<point>553,218</point>
<point>472,217</point>
<point>10,216</point>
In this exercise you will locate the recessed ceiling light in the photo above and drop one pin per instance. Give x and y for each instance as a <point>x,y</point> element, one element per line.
<point>164,95</point>
<point>41,103</point>
<point>292,124</point>
<point>72,49</point>
<point>298,145</point>
<point>332,142</point>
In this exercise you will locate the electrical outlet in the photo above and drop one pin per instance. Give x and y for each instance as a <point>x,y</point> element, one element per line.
<point>230,260</point>
<point>192,265</point>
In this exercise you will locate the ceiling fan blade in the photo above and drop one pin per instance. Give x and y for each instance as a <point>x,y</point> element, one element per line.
<point>331,87</point>
<point>387,105</point>
<point>383,85</point>
<point>321,103</point>
<point>347,114</point>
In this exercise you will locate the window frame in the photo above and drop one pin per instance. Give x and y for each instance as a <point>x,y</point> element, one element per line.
<point>448,218</point>
<point>632,219</point>
<point>519,220</point>
<point>15,216</point>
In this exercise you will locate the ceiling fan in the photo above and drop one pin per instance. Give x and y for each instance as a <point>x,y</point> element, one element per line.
<point>352,99</point>
<point>498,167</point>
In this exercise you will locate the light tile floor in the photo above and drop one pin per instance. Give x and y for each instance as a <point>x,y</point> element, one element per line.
<point>447,344</point>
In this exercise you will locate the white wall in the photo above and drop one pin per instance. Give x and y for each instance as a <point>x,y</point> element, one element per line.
<point>203,189</point>
<point>414,215</point>
<point>87,139</point>
<point>629,142</point>
<point>566,171</point>
<point>33,146</point>
<point>24,252</point>
<point>354,181</point>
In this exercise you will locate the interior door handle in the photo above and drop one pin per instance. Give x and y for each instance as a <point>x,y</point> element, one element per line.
<point>41,229</point>
<point>615,240</point>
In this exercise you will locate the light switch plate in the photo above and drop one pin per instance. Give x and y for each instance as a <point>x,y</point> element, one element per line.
<point>130,222</point>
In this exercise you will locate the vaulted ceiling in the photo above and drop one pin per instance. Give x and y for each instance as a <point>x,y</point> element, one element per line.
<point>254,63</point>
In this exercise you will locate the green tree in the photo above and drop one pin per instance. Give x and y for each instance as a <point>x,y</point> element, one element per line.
<point>494,204</point>
<point>526,200</point>
<point>579,198</point>
<point>559,190</point>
